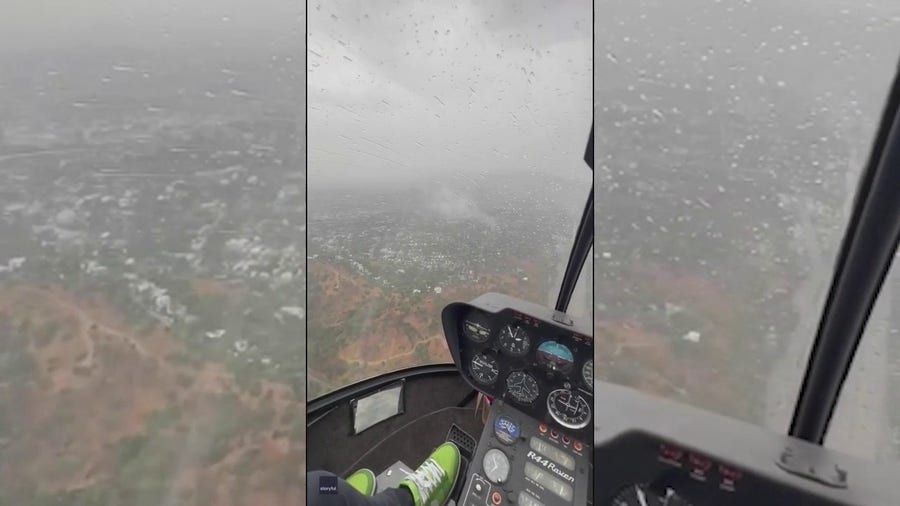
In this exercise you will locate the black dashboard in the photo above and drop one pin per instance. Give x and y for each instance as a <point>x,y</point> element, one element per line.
<point>533,358</point>
<point>556,437</point>
<point>537,365</point>
<point>652,452</point>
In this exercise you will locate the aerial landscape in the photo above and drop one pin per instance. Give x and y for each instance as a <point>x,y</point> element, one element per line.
<point>730,138</point>
<point>383,264</point>
<point>152,278</point>
<point>446,146</point>
<point>165,253</point>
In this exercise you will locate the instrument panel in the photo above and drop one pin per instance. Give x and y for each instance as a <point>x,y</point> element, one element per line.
<point>521,461</point>
<point>655,452</point>
<point>538,366</point>
<point>538,360</point>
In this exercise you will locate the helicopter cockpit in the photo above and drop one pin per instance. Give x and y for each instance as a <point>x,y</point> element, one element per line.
<point>700,212</point>
<point>538,366</point>
<point>517,400</point>
<point>555,435</point>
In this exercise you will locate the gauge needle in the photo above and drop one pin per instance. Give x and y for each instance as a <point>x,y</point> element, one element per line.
<point>669,494</point>
<point>641,497</point>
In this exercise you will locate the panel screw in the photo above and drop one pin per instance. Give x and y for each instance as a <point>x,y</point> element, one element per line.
<point>841,473</point>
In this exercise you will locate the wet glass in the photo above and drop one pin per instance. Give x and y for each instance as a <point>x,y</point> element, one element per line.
<point>445,156</point>
<point>581,304</point>
<point>730,137</point>
<point>865,422</point>
<point>152,253</point>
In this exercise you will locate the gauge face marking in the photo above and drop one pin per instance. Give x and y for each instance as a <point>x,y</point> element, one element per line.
<point>477,326</point>
<point>568,409</point>
<point>515,340</point>
<point>484,369</point>
<point>496,466</point>
<point>637,495</point>
<point>556,357</point>
<point>506,430</point>
<point>522,387</point>
<point>640,494</point>
<point>587,374</point>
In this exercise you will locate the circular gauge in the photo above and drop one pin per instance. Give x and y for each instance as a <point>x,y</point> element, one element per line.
<point>477,326</point>
<point>641,494</point>
<point>587,373</point>
<point>568,409</point>
<point>484,369</point>
<point>522,387</point>
<point>515,340</point>
<point>496,466</point>
<point>555,357</point>
<point>506,429</point>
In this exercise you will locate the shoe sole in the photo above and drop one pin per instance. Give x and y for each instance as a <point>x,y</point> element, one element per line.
<point>456,473</point>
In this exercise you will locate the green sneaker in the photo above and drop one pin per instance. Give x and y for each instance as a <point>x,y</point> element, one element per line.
<point>363,481</point>
<point>432,482</point>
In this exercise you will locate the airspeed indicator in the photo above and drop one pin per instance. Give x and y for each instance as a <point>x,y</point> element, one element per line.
<point>484,369</point>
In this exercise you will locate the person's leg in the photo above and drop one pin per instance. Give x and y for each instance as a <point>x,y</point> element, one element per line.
<point>433,481</point>
<point>326,489</point>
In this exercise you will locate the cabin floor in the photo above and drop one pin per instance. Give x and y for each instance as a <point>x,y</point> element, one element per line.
<point>432,406</point>
<point>413,443</point>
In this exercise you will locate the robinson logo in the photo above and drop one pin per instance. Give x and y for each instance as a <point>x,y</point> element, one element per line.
<point>549,464</point>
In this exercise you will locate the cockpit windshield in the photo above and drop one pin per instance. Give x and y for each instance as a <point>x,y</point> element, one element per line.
<point>445,147</point>
<point>729,140</point>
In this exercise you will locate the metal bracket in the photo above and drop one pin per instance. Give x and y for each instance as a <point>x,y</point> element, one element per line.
<point>807,463</point>
<point>563,318</point>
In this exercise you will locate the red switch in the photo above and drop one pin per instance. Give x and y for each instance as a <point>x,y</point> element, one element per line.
<point>578,446</point>
<point>699,463</point>
<point>495,498</point>
<point>543,428</point>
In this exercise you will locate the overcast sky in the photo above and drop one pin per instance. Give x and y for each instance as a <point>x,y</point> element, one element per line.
<point>28,25</point>
<point>413,87</point>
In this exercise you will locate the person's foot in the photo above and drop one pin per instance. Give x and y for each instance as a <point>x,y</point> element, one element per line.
<point>363,481</point>
<point>432,482</point>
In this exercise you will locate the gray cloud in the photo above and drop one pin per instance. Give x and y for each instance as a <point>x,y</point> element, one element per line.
<point>416,88</point>
<point>30,25</point>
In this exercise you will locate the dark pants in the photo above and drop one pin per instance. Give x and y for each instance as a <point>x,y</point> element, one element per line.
<point>320,491</point>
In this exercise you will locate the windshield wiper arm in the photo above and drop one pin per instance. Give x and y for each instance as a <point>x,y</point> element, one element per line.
<point>864,260</point>
<point>584,239</point>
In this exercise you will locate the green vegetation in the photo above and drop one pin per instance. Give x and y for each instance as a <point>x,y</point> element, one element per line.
<point>184,381</point>
<point>93,496</point>
<point>298,430</point>
<point>229,419</point>
<point>145,469</point>
<point>163,419</point>
<point>16,366</point>
<point>421,353</point>
<point>6,424</point>
<point>624,373</point>
<point>129,448</point>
